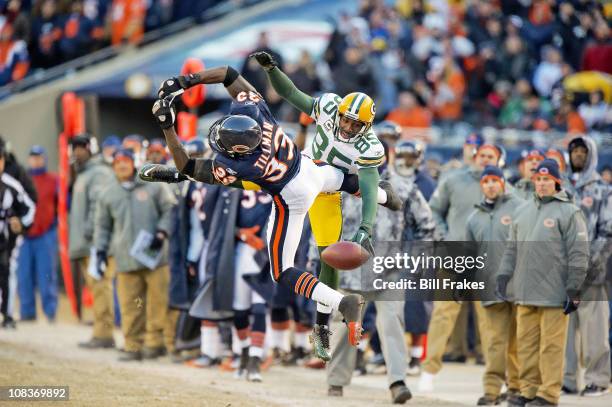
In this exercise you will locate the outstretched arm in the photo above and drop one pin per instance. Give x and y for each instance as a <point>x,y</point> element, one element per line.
<point>234,82</point>
<point>199,169</point>
<point>283,85</point>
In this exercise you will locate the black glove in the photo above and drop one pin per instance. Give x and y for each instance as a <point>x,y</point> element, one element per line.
<point>501,287</point>
<point>173,85</point>
<point>160,173</point>
<point>101,262</point>
<point>158,240</point>
<point>364,238</point>
<point>571,302</point>
<point>264,59</point>
<point>164,113</point>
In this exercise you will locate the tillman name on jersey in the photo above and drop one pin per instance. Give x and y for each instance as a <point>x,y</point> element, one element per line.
<point>266,146</point>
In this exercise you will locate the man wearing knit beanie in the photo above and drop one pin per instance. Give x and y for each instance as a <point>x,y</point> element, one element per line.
<point>487,226</point>
<point>546,256</point>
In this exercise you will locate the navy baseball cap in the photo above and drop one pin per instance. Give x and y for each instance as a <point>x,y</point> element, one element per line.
<point>111,141</point>
<point>37,150</point>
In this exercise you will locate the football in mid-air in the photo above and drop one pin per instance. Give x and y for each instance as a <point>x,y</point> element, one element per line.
<point>345,255</point>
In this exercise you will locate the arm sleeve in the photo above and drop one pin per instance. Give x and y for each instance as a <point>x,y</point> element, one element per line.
<point>508,261</point>
<point>94,191</point>
<point>165,203</point>
<point>25,208</point>
<point>423,219</point>
<point>288,91</point>
<point>103,226</point>
<point>439,205</point>
<point>577,249</point>
<point>368,185</point>
<point>469,234</point>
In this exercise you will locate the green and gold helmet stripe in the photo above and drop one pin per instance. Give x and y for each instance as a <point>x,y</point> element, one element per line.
<point>356,105</point>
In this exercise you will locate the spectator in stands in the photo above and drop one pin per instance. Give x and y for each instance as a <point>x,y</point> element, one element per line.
<point>573,36</point>
<point>78,32</point>
<point>535,114</point>
<point>497,99</point>
<point>548,72</point>
<point>14,58</point>
<point>16,15</point>
<point>251,70</point>
<point>409,112</point>
<point>514,61</point>
<point>568,120</point>
<point>354,73</point>
<point>37,264</point>
<point>127,21</point>
<point>159,13</point>
<point>448,87</point>
<point>304,75</point>
<point>598,55</point>
<point>46,33</point>
<point>596,114</point>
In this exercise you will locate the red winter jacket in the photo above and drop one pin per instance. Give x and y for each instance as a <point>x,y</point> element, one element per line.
<point>46,206</point>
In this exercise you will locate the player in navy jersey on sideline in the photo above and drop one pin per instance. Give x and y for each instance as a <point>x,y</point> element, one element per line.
<point>253,212</point>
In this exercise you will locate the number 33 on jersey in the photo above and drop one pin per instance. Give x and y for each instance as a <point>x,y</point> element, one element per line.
<point>366,151</point>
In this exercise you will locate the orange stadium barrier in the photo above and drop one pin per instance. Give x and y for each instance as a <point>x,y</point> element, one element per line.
<point>73,121</point>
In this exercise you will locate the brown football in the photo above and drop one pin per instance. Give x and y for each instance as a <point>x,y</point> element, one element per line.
<point>345,255</point>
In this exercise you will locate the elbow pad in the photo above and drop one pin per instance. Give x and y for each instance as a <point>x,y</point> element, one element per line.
<point>230,76</point>
<point>189,168</point>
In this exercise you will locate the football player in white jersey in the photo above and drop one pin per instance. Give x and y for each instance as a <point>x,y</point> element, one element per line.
<point>344,138</point>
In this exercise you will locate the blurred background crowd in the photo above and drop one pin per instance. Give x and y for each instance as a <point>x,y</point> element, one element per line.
<point>536,64</point>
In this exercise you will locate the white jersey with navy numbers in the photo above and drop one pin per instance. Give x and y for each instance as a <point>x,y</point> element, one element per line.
<point>366,152</point>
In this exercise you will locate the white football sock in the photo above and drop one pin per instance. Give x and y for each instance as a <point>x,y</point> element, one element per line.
<point>326,295</point>
<point>210,345</point>
<point>256,351</point>
<point>324,309</point>
<point>300,340</point>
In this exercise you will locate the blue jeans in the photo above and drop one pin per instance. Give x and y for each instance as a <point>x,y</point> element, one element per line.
<point>37,267</point>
